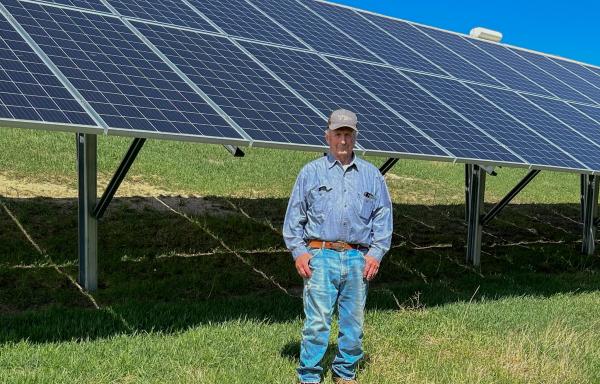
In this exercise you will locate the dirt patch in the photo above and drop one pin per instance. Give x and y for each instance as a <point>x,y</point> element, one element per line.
<point>23,188</point>
<point>132,192</point>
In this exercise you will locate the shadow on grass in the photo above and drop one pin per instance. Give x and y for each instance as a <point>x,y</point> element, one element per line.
<point>164,272</point>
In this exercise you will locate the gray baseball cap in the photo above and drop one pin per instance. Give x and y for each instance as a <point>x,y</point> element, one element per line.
<point>342,118</point>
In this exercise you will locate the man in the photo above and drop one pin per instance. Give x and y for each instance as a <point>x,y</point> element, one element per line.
<point>338,226</point>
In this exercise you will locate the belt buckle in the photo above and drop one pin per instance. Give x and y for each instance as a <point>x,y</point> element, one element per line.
<point>338,246</point>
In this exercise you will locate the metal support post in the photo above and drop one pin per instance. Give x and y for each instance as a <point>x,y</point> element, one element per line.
<point>467,188</point>
<point>118,177</point>
<point>590,214</point>
<point>509,196</point>
<point>475,207</point>
<point>582,190</point>
<point>88,228</point>
<point>389,163</point>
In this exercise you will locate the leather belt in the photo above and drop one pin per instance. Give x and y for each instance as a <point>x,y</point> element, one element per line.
<point>335,245</point>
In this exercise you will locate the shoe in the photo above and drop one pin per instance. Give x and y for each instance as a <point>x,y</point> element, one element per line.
<point>339,380</point>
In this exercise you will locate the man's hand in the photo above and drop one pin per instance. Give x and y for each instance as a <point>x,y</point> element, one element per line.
<point>302,265</point>
<point>371,267</point>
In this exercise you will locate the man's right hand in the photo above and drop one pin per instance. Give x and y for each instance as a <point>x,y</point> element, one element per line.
<point>302,265</point>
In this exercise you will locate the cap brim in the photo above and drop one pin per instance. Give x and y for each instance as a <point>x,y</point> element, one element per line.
<point>341,125</point>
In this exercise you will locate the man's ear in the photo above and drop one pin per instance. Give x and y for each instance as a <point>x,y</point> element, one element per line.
<point>327,135</point>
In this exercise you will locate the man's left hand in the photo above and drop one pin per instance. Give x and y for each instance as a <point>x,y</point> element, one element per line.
<point>371,267</point>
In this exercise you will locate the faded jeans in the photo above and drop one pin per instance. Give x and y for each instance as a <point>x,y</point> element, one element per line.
<point>336,276</point>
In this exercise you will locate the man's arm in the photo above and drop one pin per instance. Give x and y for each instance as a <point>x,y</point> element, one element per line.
<point>293,226</point>
<point>382,231</point>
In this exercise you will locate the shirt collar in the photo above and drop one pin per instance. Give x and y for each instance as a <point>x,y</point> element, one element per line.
<point>332,161</point>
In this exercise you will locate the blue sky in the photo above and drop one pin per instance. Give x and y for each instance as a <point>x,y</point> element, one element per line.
<point>566,28</point>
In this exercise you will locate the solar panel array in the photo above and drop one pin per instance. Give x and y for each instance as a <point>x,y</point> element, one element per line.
<point>268,72</point>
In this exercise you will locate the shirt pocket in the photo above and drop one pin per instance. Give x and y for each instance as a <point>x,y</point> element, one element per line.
<point>319,200</point>
<point>367,205</point>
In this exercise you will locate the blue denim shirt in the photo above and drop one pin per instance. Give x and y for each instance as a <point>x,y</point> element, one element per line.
<point>330,204</point>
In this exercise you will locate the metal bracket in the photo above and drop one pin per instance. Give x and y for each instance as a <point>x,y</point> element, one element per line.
<point>509,196</point>
<point>235,151</point>
<point>118,177</point>
<point>389,163</point>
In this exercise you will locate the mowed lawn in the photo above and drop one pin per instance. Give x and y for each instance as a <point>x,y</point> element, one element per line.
<point>196,285</point>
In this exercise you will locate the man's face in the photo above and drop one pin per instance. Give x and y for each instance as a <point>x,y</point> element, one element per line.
<point>341,142</point>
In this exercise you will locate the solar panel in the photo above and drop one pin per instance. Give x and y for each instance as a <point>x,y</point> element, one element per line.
<point>505,129</point>
<point>568,77</point>
<point>558,133</point>
<point>312,29</point>
<point>524,67</point>
<point>593,112</point>
<point>165,11</point>
<point>490,65</point>
<point>94,5</point>
<point>129,86</point>
<point>440,123</point>
<point>579,70</point>
<point>28,89</point>
<point>570,116</point>
<point>262,106</point>
<point>379,42</point>
<point>434,51</point>
<point>327,89</point>
<point>596,70</point>
<point>239,18</point>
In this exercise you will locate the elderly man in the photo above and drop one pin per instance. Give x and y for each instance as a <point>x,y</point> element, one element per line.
<point>338,226</point>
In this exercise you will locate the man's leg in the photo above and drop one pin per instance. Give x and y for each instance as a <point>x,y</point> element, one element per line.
<point>320,293</point>
<point>351,307</point>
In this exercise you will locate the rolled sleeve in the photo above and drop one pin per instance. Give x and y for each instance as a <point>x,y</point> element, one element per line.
<point>296,218</point>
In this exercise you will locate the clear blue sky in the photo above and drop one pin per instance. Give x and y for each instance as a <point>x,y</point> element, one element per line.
<point>565,28</point>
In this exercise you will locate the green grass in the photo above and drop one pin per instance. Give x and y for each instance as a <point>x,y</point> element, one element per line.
<point>212,297</point>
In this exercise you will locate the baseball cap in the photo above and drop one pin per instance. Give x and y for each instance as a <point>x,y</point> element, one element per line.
<point>342,118</point>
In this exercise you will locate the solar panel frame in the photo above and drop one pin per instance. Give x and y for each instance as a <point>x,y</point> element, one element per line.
<point>591,112</point>
<point>386,47</point>
<point>224,72</point>
<point>428,113</point>
<point>546,80</point>
<point>172,12</point>
<point>171,101</point>
<point>535,149</point>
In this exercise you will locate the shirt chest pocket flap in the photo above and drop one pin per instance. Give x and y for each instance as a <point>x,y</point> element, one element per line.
<point>319,198</point>
<point>368,204</point>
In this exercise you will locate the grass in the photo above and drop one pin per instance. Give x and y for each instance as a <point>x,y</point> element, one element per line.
<point>196,287</point>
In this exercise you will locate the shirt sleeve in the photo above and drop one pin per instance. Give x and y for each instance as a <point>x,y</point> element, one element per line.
<point>296,218</point>
<point>382,223</point>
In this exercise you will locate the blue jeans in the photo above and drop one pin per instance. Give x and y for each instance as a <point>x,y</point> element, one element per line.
<point>336,276</point>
